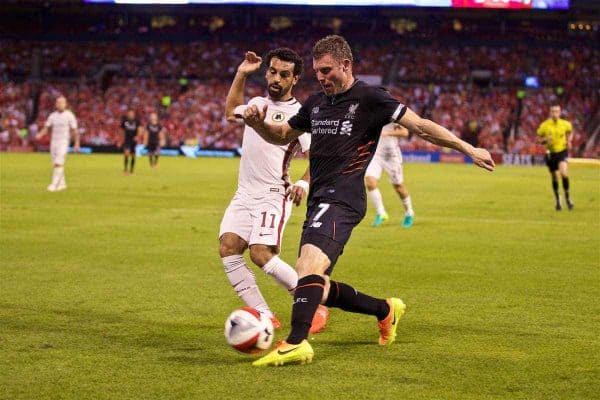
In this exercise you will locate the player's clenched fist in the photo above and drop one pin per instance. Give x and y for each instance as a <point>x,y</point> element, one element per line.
<point>482,158</point>
<point>254,117</point>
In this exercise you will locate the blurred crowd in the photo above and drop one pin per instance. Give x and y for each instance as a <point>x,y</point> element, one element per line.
<point>187,85</point>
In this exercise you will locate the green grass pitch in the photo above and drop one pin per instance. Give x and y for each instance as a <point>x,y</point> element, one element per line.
<point>114,289</point>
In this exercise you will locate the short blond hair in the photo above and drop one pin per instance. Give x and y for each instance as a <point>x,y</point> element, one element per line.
<point>334,45</point>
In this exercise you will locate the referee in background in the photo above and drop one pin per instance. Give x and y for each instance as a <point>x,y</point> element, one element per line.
<point>555,134</point>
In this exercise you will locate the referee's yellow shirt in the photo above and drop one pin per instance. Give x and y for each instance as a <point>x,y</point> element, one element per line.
<point>555,134</point>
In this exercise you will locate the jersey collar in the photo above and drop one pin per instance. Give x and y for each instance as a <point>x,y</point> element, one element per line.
<point>287,102</point>
<point>333,98</point>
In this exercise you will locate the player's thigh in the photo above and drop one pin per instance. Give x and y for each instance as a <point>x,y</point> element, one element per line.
<point>563,168</point>
<point>231,244</point>
<point>58,152</point>
<point>374,169</point>
<point>270,215</point>
<point>261,254</point>
<point>237,219</point>
<point>395,172</point>
<point>371,183</point>
<point>328,227</point>
<point>312,260</point>
<point>552,166</point>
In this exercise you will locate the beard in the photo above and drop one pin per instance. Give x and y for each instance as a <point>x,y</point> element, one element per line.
<point>275,91</point>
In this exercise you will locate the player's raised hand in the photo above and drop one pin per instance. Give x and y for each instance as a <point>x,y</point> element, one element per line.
<point>255,117</point>
<point>250,64</point>
<point>482,158</point>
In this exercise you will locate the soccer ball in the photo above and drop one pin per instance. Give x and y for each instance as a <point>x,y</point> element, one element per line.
<point>248,331</point>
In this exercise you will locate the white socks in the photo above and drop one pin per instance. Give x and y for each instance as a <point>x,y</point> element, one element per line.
<point>58,176</point>
<point>408,206</point>
<point>282,272</point>
<point>244,283</point>
<point>377,200</point>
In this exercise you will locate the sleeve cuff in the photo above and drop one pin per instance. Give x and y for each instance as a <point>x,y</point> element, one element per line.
<point>399,113</point>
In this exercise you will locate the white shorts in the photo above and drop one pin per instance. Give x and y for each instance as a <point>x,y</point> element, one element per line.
<point>392,166</point>
<point>257,220</point>
<point>58,152</point>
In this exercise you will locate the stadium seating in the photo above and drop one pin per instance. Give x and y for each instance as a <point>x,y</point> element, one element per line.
<point>102,79</point>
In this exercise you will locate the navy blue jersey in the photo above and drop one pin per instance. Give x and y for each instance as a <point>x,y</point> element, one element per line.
<point>345,129</point>
<point>153,133</point>
<point>130,127</point>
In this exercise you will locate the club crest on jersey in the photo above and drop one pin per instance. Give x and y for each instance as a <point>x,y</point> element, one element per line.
<point>352,111</point>
<point>315,110</point>
<point>278,116</point>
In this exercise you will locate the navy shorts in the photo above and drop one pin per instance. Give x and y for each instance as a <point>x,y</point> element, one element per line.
<point>153,148</point>
<point>553,159</point>
<point>328,226</point>
<point>130,145</point>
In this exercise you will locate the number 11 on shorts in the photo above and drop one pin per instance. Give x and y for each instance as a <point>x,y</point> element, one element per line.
<point>264,220</point>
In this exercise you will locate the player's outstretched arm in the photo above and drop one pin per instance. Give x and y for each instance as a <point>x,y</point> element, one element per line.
<point>441,136</point>
<point>42,133</point>
<point>395,130</point>
<point>235,96</point>
<point>280,134</point>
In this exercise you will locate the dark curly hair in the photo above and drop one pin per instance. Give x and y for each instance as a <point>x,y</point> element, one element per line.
<point>286,54</point>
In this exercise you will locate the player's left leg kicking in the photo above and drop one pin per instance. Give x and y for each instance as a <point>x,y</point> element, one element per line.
<point>323,240</point>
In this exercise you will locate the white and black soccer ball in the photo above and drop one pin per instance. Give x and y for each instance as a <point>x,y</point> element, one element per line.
<point>249,331</point>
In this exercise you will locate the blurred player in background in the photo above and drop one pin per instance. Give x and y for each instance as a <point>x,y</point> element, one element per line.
<point>154,138</point>
<point>261,206</point>
<point>555,134</point>
<point>388,158</point>
<point>345,121</point>
<point>131,130</point>
<point>63,124</point>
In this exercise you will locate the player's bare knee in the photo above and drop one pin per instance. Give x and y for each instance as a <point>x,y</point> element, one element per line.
<point>312,261</point>
<point>371,183</point>
<point>401,190</point>
<point>304,268</point>
<point>260,254</point>
<point>230,245</point>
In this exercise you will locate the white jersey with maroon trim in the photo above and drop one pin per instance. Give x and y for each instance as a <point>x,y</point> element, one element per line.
<point>264,166</point>
<point>61,124</point>
<point>388,149</point>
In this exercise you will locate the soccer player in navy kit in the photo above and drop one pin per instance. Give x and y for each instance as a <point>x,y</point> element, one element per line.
<point>345,121</point>
<point>153,139</point>
<point>131,129</point>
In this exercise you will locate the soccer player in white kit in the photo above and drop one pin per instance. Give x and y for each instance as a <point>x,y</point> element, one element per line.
<point>261,206</point>
<point>388,158</point>
<point>63,124</point>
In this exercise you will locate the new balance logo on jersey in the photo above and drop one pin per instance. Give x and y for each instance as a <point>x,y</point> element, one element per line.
<point>346,128</point>
<point>316,224</point>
